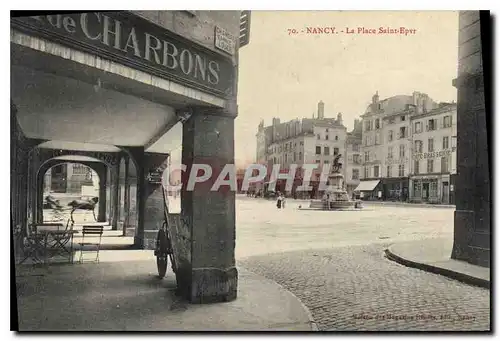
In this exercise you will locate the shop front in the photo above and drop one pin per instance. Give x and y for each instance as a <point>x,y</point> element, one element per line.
<point>369,190</point>
<point>395,189</point>
<point>433,189</point>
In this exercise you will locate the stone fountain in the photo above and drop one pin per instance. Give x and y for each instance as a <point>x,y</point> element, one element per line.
<point>335,196</point>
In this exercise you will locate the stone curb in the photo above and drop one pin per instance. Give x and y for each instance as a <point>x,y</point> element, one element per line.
<point>461,277</point>
<point>314,326</point>
<point>388,203</point>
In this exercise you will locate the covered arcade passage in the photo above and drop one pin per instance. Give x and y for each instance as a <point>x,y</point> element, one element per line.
<point>79,99</point>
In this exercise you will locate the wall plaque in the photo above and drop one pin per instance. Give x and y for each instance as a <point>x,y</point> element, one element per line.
<point>224,40</point>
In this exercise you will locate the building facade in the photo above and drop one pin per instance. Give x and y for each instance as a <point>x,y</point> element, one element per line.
<point>433,166</point>
<point>472,228</point>
<point>316,140</point>
<point>386,145</point>
<point>354,164</point>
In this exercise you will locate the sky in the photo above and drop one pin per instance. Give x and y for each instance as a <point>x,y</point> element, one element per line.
<point>285,75</point>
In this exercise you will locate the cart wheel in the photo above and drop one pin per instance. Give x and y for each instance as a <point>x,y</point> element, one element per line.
<point>161,263</point>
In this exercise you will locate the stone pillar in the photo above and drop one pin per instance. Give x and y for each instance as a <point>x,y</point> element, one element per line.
<point>115,199</point>
<point>209,216</point>
<point>472,188</point>
<point>126,196</point>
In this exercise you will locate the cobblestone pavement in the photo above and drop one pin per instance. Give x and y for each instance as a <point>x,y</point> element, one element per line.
<point>356,288</point>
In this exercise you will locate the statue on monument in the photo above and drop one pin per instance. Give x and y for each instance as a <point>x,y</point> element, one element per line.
<point>337,166</point>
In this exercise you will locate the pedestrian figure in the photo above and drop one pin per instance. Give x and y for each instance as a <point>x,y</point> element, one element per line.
<point>279,201</point>
<point>283,201</point>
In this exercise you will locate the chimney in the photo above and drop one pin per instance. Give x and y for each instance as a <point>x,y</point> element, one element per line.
<point>321,110</point>
<point>339,118</point>
<point>375,98</point>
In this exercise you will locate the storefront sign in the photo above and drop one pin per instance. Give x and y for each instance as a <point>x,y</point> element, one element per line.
<point>155,176</point>
<point>224,40</point>
<point>431,155</point>
<point>133,41</point>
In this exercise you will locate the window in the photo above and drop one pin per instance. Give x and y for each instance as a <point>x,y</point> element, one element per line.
<point>327,130</point>
<point>326,137</point>
<point>356,159</point>
<point>294,156</point>
<point>377,123</point>
<point>418,146</point>
<point>390,135</point>
<point>446,121</point>
<point>389,168</point>
<point>416,167</point>
<point>402,151</point>
<point>318,150</point>
<point>403,118</point>
<point>319,137</point>
<point>418,127</point>
<point>431,125</point>
<point>444,164</point>
<point>367,172</point>
<point>430,145</point>
<point>300,156</point>
<point>355,147</point>
<point>402,133</point>
<point>318,161</point>
<point>326,162</point>
<point>335,151</point>
<point>367,156</point>
<point>336,138</point>
<point>401,170</point>
<point>327,151</point>
<point>286,157</point>
<point>377,138</point>
<point>446,142</point>
<point>301,143</point>
<point>389,152</point>
<point>430,166</point>
<point>392,120</point>
<point>355,174</point>
<point>376,171</point>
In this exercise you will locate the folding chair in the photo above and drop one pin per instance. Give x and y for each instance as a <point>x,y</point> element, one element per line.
<point>32,246</point>
<point>60,241</point>
<point>92,231</point>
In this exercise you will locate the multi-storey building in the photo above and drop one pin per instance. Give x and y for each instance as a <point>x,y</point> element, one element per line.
<point>353,166</point>
<point>386,144</point>
<point>434,155</point>
<point>314,140</point>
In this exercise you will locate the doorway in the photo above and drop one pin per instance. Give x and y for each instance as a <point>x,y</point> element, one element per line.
<point>425,191</point>
<point>446,193</point>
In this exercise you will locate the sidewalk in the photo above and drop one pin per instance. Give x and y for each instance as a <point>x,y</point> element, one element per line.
<point>407,204</point>
<point>126,295</point>
<point>433,255</point>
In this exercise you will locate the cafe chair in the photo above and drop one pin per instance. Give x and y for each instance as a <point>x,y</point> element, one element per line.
<point>61,241</point>
<point>32,246</point>
<point>91,232</point>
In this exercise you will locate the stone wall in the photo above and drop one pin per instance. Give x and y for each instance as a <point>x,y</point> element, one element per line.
<point>472,195</point>
<point>198,26</point>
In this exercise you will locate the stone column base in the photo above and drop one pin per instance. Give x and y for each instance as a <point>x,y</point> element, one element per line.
<point>213,285</point>
<point>464,224</point>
